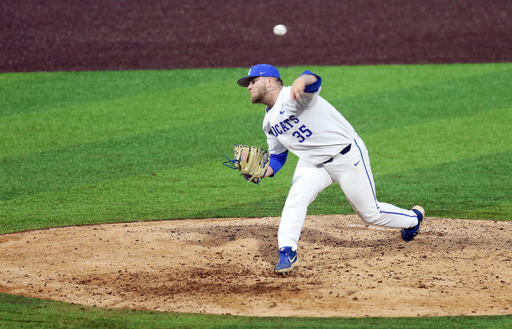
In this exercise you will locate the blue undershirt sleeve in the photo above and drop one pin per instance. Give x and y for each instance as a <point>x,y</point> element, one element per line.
<point>314,87</point>
<point>277,161</point>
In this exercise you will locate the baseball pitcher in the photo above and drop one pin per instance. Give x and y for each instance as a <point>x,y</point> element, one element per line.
<point>300,121</point>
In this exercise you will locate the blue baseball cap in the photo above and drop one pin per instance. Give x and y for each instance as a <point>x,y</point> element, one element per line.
<point>260,70</point>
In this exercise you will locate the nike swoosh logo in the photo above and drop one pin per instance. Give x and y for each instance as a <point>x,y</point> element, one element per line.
<point>355,164</point>
<point>281,112</point>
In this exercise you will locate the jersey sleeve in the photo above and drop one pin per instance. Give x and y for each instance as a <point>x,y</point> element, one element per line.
<point>277,161</point>
<point>314,87</point>
<point>308,100</point>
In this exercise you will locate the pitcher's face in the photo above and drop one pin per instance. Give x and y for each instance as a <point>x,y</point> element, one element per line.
<point>258,87</point>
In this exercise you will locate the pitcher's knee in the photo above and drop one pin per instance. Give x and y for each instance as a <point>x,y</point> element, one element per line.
<point>373,217</point>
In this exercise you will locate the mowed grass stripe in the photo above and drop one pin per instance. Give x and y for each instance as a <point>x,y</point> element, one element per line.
<point>500,211</point>
<point>214,191</point>
<point>123,117</point>
<point>117,158</point>
<point>428,102</point>
<point>440,141</point>
<point>22,93</point>
<point>475,187</point>
<point>352,81</point>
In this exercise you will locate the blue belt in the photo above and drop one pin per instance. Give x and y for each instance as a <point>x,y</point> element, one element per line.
<point>344,151</point>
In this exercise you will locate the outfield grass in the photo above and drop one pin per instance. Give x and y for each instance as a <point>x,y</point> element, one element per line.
<point>99,147</point>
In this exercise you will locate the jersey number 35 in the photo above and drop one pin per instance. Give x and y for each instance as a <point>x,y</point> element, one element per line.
<point>302,133</point>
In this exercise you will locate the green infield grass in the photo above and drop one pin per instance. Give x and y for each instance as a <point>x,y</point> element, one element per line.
<point>101,147</point>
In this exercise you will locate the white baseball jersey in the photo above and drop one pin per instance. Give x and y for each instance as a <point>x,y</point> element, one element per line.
<point>316,132</point>
<point>312,129</point>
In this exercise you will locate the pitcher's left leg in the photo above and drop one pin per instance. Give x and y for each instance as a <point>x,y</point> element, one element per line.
<point>354,175</point>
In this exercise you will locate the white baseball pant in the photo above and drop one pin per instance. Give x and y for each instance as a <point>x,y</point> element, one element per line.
<point>353,174</point>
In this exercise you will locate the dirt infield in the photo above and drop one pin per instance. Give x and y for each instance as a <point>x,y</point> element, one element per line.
<point>224,266</point>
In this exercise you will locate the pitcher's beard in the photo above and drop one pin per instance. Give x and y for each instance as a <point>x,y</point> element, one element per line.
<point>259,96</point>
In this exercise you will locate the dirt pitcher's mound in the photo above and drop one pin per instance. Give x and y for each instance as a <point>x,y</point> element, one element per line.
<point>225,266</point>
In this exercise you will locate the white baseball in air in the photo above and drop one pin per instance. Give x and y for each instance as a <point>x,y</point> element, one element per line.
<point>280,29</point>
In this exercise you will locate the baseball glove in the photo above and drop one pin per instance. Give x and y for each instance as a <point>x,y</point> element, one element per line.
<point>252,162</point>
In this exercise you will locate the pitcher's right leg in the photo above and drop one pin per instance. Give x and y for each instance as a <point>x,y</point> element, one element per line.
<point>308,181</point>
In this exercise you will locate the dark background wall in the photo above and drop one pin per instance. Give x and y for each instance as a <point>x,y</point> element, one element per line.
<point>69,35</point>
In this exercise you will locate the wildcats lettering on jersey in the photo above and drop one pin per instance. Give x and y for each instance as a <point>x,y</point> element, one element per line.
<point>284,126</point>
